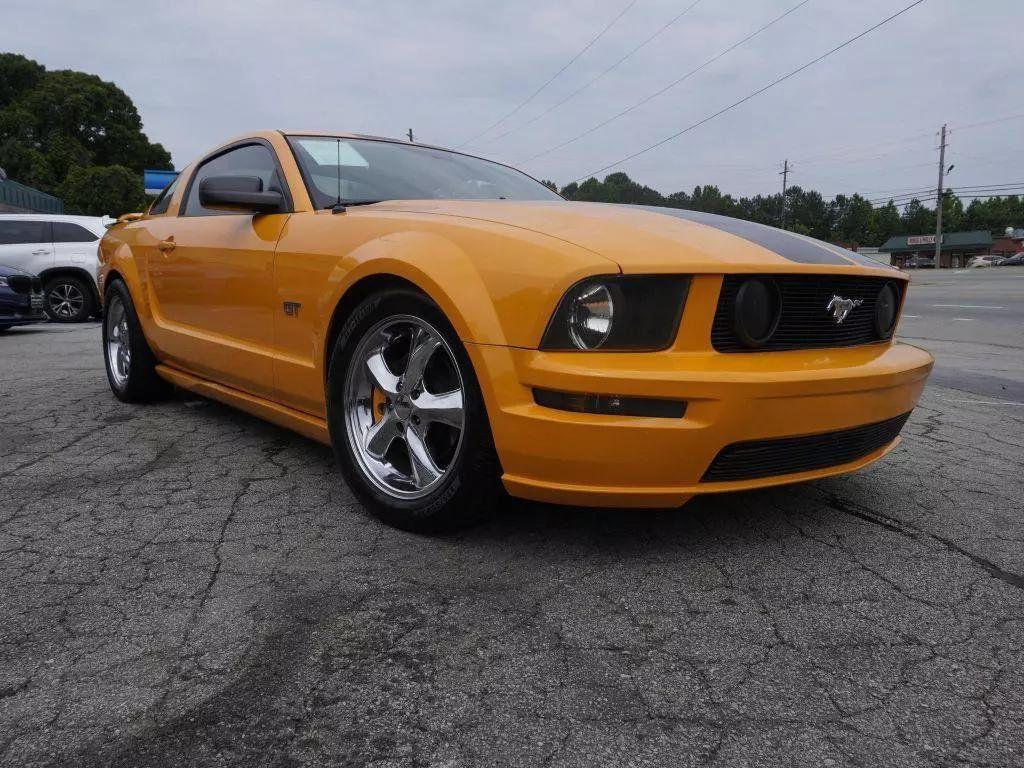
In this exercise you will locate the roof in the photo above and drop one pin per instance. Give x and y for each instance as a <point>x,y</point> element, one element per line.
<point>976,238</point>
<point>95,224</point>
<point>20,197</point>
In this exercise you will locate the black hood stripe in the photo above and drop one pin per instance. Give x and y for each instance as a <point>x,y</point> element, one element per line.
<point>785,244</point>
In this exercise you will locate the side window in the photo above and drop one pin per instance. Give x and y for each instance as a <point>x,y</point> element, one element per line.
<point>66,232</point>
<point>20,231</point>
<point>163,200</point>
<point>250,160</point>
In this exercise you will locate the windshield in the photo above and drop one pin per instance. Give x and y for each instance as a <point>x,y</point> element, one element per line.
<point>374,170</point>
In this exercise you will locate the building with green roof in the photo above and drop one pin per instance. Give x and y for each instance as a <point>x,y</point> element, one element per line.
<point>957,249</point>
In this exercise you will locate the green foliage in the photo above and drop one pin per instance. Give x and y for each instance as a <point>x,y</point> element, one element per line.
<point>845,219</point>
<point>60,127</point>
<point>100,189</point>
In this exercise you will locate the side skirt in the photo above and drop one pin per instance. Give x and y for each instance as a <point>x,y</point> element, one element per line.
<point>275,413</point>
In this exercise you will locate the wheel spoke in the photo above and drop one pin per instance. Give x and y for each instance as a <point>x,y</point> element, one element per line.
<point>424,344</point>
<point>380,436</point>
<point>381,374</point>
<point>424,469</point>
<point>446,408</point>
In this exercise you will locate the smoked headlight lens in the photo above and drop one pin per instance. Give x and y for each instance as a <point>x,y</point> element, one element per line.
<point>618,313</point>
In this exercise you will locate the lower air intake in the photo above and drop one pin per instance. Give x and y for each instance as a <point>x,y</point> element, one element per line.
<point>789,455</point>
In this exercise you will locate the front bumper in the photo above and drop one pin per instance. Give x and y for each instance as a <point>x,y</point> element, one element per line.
<point>577,458</point>
<point>21,309</point>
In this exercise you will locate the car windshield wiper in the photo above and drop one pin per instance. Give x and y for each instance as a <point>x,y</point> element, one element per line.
<point>347,203</point>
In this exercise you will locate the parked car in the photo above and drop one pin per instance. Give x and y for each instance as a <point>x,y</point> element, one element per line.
<point>21,298</point>
<point>978,262</point>
<point>920,262</point>
<point>450,325</point>
<point>1013,261</point>
<point>62,251</point>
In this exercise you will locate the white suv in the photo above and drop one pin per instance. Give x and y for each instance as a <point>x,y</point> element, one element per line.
<point>63,251</point>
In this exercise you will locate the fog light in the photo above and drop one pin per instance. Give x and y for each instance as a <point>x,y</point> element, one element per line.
<point>611,405</point>
<point>886,306</point>
<point>756,312</point>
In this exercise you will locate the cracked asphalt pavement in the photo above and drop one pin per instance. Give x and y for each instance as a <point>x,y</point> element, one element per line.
<point>184,585</point>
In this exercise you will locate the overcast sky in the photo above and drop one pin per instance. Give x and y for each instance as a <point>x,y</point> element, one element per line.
<point>864,119</point>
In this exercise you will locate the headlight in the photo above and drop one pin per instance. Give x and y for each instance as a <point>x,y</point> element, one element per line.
<point>886,306</point>
<point>591,312</point>
<point>618,313</point>
<point>3,282</point>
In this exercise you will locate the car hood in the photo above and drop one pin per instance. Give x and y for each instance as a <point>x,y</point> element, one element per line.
<point>648,239</point>
<point>7,271</point>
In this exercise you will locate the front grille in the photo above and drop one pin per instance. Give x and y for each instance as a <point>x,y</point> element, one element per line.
<point>788,455</point>
<point>804,320</point>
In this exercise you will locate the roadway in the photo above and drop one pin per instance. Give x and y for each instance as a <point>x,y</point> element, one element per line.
<point>183,585</point>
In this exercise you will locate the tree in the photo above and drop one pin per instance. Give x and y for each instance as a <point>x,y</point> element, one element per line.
<point>917,219</point>
<point>887,223</point>
<point>847,219</point>
<point>56,124</point>
<point>102,189</point>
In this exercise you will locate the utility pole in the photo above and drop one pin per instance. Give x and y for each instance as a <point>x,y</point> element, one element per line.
<point>785,175</point>
<point>938,199</point>
<point>410,135</point>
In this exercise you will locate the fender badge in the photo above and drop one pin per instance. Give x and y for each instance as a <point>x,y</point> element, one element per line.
<point>291,308</point>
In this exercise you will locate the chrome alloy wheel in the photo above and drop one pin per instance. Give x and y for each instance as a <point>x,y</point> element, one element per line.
<point>119,349</point>
<point>404,403</point>
<point>66,300</point>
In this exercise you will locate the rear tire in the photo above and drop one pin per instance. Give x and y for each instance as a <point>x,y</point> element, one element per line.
<point>407,419</point>
<point>68,300</point>
<point>129,361</point>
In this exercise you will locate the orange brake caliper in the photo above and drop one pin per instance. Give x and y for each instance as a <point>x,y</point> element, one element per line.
<point>379,399</point>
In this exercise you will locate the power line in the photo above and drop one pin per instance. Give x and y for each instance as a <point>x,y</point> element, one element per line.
<point>931,198</point>
<point>758,92</point>
<point>993,121</point>
<point>959,191</point>
<point>589,83</point>
<point>671,85</point>
<point>815,159</point>
<point>550,80</point>
<point>819,158</point>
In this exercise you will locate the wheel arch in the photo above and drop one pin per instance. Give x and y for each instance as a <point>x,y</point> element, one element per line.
<point>352,298</point>
<point>467,306</point>
<point>78,272</point>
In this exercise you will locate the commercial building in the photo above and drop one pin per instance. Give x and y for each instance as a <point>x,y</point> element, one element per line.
<point>957,248</point>
<point>1010,243</point>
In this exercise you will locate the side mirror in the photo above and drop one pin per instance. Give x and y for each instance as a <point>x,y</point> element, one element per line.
<point>239,193</point>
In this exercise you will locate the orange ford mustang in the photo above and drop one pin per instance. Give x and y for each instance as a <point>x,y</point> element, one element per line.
<point>450,326</point>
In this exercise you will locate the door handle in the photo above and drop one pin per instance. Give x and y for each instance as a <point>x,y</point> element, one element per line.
<point>166,246</point>
<point>41,252</point>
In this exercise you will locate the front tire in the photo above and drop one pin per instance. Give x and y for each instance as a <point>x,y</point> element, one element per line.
<point>406,416</point>
<point>68,300</point>
<point>129,361</point>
